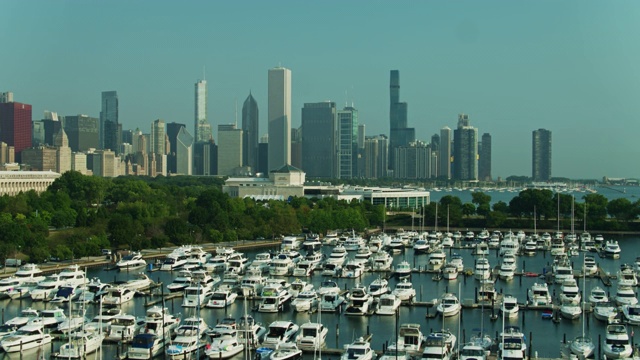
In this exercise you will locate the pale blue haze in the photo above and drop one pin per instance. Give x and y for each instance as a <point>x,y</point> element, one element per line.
<point>514,66</point>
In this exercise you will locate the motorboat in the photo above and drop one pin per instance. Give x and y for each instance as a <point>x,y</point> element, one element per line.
<point>73,322</point>
<point>67,293</point>
<point>487,291</point>
<point>338,255</point>
<point>481,248</point>
<point>183,346</point>
<point>25,338</point>
<point>139,282</point>
<point>251,332</point>
<point>360,301</point>
<point>237,264</point>
<point>280,332</point>
<point>312,242</point>
<point>221,299</point>
<point>450,271</point>
<point>281,265</point>
<point>159,321</point>
<point>224,344</point>
<point>449,305</point>
<point>274,300</point>
<point>410,338</point>
<point>252,284</point>
<point>472,351</point>
<point>582,346</point>
<point>25,316</point>
<point>217,264</point>
<point>46,288</point>
<point>52,317</point>
<point>231,282</point>
<point>421,246</point>
<point>627,276</point>
<point>437,259</point>
<point>305,301</point>
<point>118,295</point>
<point>605,311</point>
<point>197,257</point>
<point>299,286</point>
<point>507,267</point>
<point>539,295</point>
<point>557,247</point>
<point>330,269</point>
<point>509,307</point>
<point>73,275</point>
<point>260,262</point>
<point>388,304</point>
<point>381,261</point>
<point>530,247</point>
<point>312,336</point>
<point>569,292</point>
<point>482,270</point>
<point>395,351</point>
<point>589,265</point>
<point>103,320</point>
<point>509,245</point>
<point>358,350</point>
<point>617,344</point>
<point>612,249</point>
<point>145,346</point>
<point>181,281</point>
<point>404,291</point>
<point>328,286</point>
<point>625,295</point>
<point>562,269</point>
<point>80,344</point>
<point>363,254</point>
<point>352,269</point>
<point>512,344</point>
<point>303,268</point>
<point>196,295</point>
<point>439,345</point>
<point>597,295</point>
<point>94,290</point>
<point>403,269</point>
<point>176,259</point>
<point>131,261</point>
<point>124,327</point>
<point>191,326</point>
<point>570,310</point>
<point>378,287</point>
<point>331,301</point>
<point>631,314</point>
<point>286,351</point>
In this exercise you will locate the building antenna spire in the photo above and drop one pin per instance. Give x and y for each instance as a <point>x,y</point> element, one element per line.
<point>236,113</point>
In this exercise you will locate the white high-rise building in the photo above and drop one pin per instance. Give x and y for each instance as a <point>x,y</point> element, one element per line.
<point>202,126</point>
<point>279,118</point>
<point>158,135</point>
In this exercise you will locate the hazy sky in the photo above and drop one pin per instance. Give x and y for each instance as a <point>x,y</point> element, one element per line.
<point>572,67</point>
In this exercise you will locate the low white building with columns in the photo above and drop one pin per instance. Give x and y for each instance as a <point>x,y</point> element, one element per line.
<point>14,182</point>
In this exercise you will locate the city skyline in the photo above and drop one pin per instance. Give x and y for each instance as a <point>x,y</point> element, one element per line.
<point>495,63</point>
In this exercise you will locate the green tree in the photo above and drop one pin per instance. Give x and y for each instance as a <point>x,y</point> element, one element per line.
<point>621,209</point>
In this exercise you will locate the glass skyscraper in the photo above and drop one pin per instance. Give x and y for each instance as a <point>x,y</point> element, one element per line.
<point>202,128</point>
<point>541,151</point>
<point>109,123</point>
<point>250,133</point>
<point>465,150</point>
<point>279,116</point>
<point>318,133</point>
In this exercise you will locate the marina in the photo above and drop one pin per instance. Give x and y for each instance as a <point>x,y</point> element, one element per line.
<point>479,304</point>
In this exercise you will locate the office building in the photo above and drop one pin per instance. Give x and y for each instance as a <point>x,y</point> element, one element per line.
<point>63,155</point>
<point>444,151</point>
<point>263,156</point>
<point>13,183</point>
<point>484,163</point>
<point>103,163</point>
<point>79,162</point>
<point>250,133</point>
<point>40,158</point>
<point>465,150</point>
<point>110,128</point>
<point>6,97</point>
<point>541,164</point>
<point>82,132</point>
<point>279,116</point>
<point>37,133</point>
<point>375,156</point>
<point>184,152</point>
<point>202,127</point>
<point>413,162</point>
<point>347,143</point>
<point>229,149</point>
<point>400,134</point>
<point>173,129</point>
<point>15,126</point>
<point>318,133</point>
<point>158,137</point>
<point>7,153</point>
<point>296,147</point>
<point>205,158</point>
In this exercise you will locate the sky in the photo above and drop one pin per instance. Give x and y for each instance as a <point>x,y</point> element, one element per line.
<point>572,67</point>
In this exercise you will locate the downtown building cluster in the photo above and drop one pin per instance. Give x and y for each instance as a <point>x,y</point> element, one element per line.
<point>331,142</point>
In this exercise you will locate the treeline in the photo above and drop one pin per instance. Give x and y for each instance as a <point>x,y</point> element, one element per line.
<point>79,215</point>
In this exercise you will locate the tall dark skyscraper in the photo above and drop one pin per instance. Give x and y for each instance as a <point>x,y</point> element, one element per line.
<point>541,150</point>
<point>173,129</point>
<point>318,139</point>
<point>15,126</point>
<point>250,133</point>
<point>465,150</point>
<point>400,134</point>
<point>110,129</point>
<point>484,163</point>
<point>82,132</point>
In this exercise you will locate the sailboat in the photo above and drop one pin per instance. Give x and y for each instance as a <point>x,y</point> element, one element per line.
<point>582,346</point>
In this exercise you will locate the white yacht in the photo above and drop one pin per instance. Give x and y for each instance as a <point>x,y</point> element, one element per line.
<point>403,269</point>
<point>329,287</point>
<point>183,346</point>
<point>482,270</point>
<point>569,292</point>
<point>360,301</point>
<point>191,326</point>
<point>46,288</point>
<point>176,259</point>
<point>260,262</point>
<point>286,351</point>
<point>159,321</point>
<point>507,267</point>
<point>338,255</point>
<point>509,307</point>
<point>25,316</point>
<point>103,320</point>
<point>312,336</point>
<point>439,345</point>
<point>449,305</point>
<point>612,249</point>
<point>539,295</point>
<point>299,286</point>
<point>404,291</point>
<point>421,246</point>
<point>437,259</point>
<point>80,344</point>
<point>617,344</point>
<point>597,295</point>
<point>52,317</point>
<point>196,295</point>
<point>381,261</point>
<point>281,265</point>
<point>570,310</point>
<point>280,332</point>
<point>274,299</point>
<point>306,301</point>
<point>388,304</point>
<point>124,327</point>
<point>25,338</point>
<point>562,269</point>
<point>221,299</point>
<point>627,276</point>
<point>605,311</point>
<point>512,344</point>
<point>590,267</point>
<point>145,346</point>
<point>224,344</point>
<point>631,314</point>
<point>303,268</point>
<point>358,350</point>
<point>252,284</point>
<point>66,293</point>
<point>118,295</point>
<point>131,261</point>
<point>73,275</point>
<point>450,271</point>
<point>410,338</point>
<point>139,282</point>
<point>237,264</point>
<point>625,295</point>
<point>378,287</point>
<point>352,269</point>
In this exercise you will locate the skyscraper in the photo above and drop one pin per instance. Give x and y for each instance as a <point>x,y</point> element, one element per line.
<point>484,163</point>
<point>444,150</point>
<point>15,126</point>
<point>279,118</point>
<point>375,156</point>
<point>173,129</point>
<point>184,152</point>
<point>250,133</point>
<point>400,134</point>
<point>109,123</point>
<point>318,132</point>
<point>413,161</point>
<point>82,132</point>
<point>229,149</point>
<point>347,145</point>
<point>158,135</point>
<point>541,166</point>
<point>202,127</point>
<point>465,150</point>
